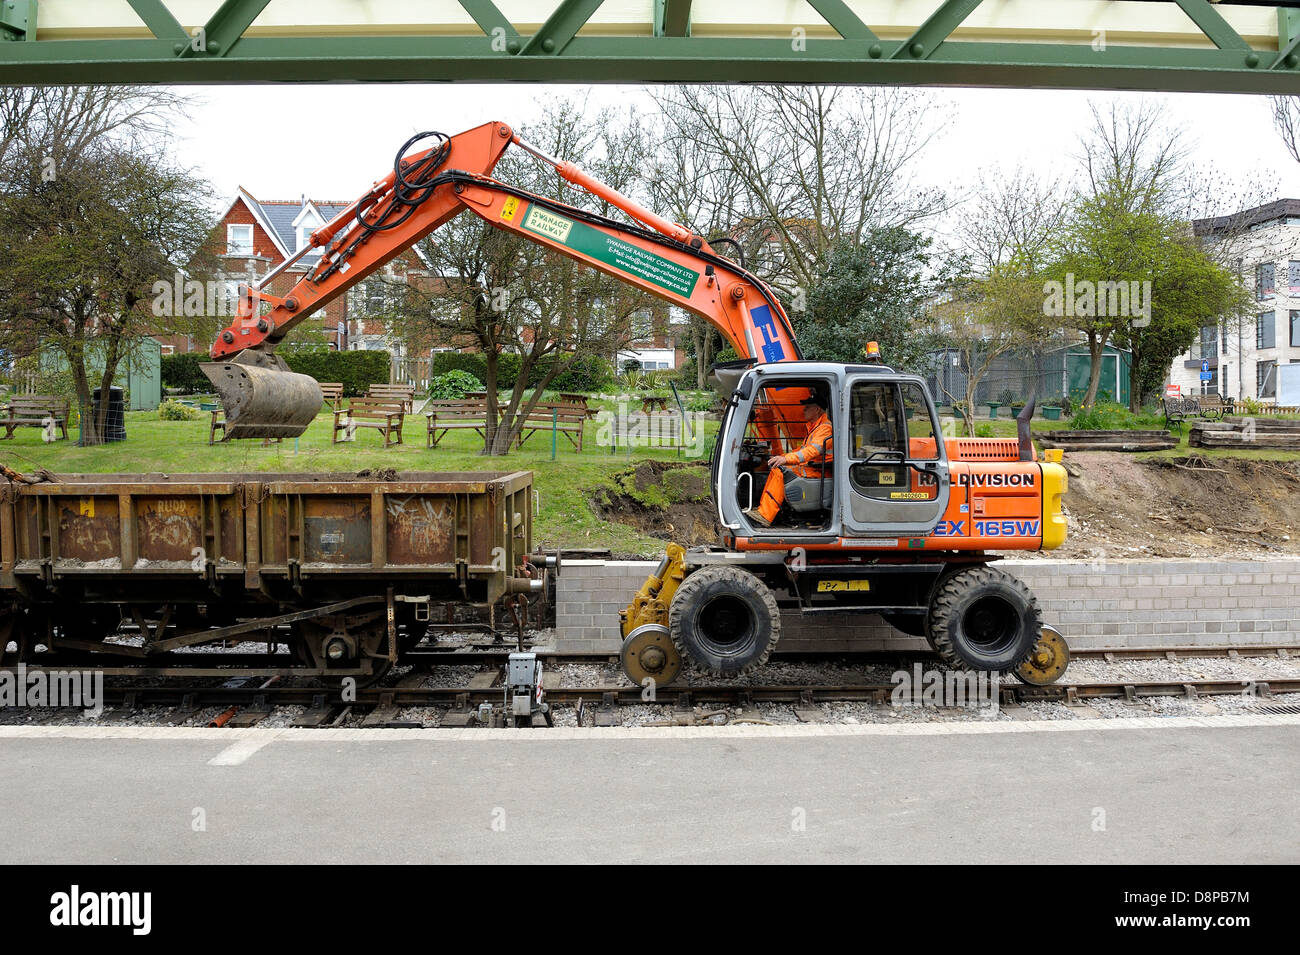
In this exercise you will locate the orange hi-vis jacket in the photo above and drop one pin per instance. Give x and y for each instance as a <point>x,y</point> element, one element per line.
<point>816,455</point>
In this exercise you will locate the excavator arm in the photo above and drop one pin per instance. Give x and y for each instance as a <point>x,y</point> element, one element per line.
<point>263,398</point>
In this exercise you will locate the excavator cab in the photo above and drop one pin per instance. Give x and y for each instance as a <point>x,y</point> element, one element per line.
<point>883,471</point>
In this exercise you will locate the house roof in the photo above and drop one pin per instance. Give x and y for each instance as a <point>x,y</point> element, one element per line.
<point>278,217</point>
<point>1281,209</point>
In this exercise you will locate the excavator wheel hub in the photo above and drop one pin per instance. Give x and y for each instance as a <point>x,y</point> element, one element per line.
<point>648,653</point>
<point>1048,660</point>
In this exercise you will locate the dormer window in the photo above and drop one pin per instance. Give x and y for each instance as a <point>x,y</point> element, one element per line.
<point>239,240</point>
<point>308,221</point>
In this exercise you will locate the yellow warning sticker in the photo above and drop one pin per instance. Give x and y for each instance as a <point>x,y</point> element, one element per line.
<point>508,208</point>
<point>887,477</point>
<point>87,507</point>
<point>908,496</point>
<point>842,586</point>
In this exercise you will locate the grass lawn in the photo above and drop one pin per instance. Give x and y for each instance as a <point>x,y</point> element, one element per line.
<point>565,517</point>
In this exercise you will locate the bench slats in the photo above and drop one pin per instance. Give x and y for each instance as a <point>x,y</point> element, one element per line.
<point>33,411</point>
<point>385,416</point>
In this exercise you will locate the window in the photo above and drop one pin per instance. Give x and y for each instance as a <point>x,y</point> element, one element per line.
<point>1265,380</point>
<point>308,224</point>
<point>1293,274</point>
<point>375,298</point>
<point>1295,328</point>
<point>239,240</point>
<point>1265,280</point>
<point>1264,331</point>
<point>1209,342</point>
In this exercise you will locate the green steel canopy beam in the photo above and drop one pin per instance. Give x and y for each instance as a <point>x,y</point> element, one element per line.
<point>226,27</point>
<point>18,20</point>
<point>672,17</point>
<point>843,20</point>
<point>159,20</point>
<point>560,27</point>
<point>1154,45</point>
<point>937,28</point>
<point>489,18</point>
<point>1213,25</point>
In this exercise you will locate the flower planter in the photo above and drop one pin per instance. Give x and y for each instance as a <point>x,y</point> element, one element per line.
<point>1016,409</point>
<point>993,408</point>
<point>1051,412</point>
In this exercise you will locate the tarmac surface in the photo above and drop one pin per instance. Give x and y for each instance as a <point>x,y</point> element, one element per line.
<point>1217,789</point>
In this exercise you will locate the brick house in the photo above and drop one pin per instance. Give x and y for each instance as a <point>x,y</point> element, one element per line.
<point>254,236</point>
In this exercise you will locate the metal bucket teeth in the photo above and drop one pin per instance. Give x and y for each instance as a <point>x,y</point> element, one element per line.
<point>264,402</point>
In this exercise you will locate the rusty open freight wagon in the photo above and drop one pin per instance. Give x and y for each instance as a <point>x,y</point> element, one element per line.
<point>335,573</point>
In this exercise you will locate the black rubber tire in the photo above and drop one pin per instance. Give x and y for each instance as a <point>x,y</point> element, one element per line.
<point>725,620</point>
<point>984,619</point>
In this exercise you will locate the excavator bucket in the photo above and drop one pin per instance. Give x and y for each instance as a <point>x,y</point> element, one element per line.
<point>262,397</point>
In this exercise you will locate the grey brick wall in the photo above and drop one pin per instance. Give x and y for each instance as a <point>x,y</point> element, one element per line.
<point>1115,604</point>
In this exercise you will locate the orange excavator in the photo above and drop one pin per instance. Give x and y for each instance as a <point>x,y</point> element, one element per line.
<point>895,518</point>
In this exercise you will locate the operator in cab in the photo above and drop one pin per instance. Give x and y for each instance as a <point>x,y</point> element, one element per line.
<point>812,460</point>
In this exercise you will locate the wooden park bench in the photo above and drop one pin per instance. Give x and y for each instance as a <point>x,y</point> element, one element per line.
<point>333,393</point>
<point>404,394</point>
<point>34,411</point>
<point>218,423</point>
<point>1211,407</point>
<point>581,400</point>
<point>386,417</point>
<point>451,415</point>
<point>568,419</point>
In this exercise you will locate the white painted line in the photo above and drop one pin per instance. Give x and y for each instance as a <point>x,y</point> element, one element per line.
<point>619,733</point>
<point>238,752</point>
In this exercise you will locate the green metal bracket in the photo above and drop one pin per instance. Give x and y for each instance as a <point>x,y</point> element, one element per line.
<point>560,28</point>
<point>1288,38</point>
<point>489,19</point>
<point>672,18</point>
<point>937,28</point>
<point>842,20</point>
<point>159,20</point>
<point>18,20</point>
<point>225,28</point>
<point>1213,25</point>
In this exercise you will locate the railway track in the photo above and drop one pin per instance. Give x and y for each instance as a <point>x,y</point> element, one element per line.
<point>266,666</point>
<point>247,701</point>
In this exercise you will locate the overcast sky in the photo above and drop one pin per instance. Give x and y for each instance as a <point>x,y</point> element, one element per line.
<point>331,142</point>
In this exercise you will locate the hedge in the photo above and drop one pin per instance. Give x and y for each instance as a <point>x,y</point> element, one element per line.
<point>181,373</point>
<point>588,373</point>
<point>357,370</point>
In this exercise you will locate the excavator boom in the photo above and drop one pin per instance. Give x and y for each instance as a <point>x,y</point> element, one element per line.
<point>263,398</point>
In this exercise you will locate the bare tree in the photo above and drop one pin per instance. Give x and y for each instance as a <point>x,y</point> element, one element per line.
<point>791,172</point>
<point>1012,216</point>
<point>1286,120</point>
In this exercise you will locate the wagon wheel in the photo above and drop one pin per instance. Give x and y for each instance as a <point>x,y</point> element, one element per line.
<point>13,630</point>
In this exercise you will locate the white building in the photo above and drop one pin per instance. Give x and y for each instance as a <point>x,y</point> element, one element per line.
<point>1244,352</point>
